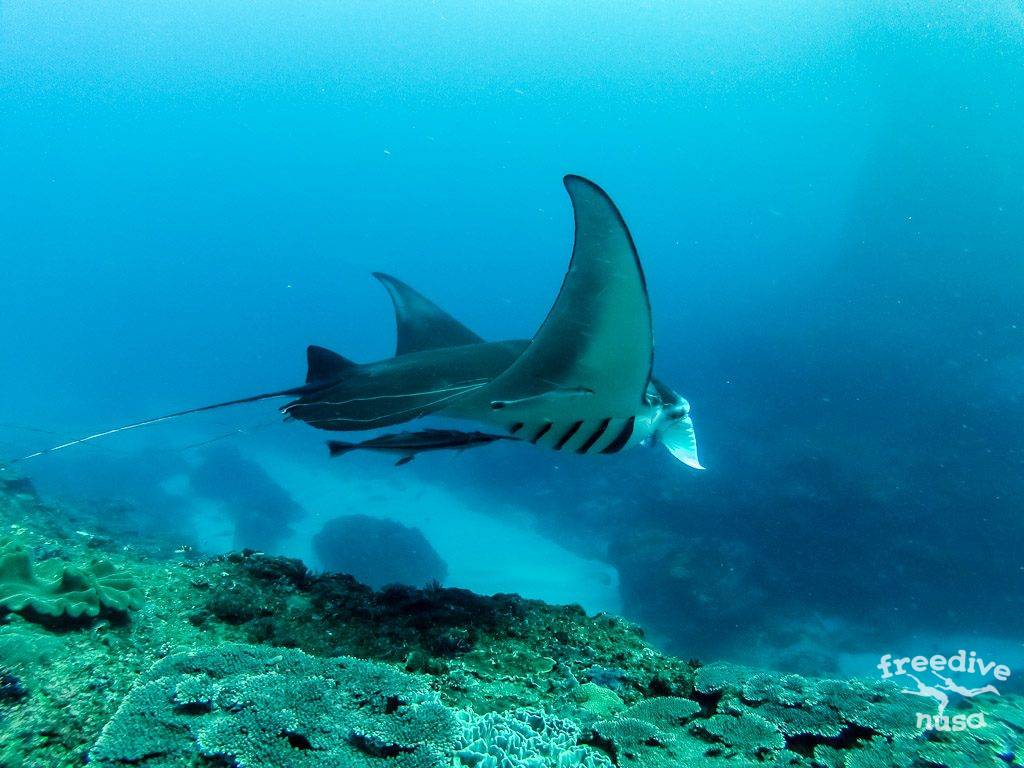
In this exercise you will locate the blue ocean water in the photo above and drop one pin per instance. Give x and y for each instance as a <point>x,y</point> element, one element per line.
<point>827,201</point>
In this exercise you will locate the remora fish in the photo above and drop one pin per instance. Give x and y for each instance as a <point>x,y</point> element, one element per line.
<point>410,444</point>
<point>583,384</point>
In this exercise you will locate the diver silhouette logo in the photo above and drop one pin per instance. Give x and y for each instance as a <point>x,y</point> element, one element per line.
<point>929,691</point>
<point>960,662</point>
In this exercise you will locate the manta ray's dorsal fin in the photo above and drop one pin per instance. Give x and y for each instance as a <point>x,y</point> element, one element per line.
<point>421,324</point>
<point>591,359</point>
<point>323,365</point>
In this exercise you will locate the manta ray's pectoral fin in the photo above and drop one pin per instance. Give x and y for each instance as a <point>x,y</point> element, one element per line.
<point>421,324</point>
<point>588,366</point>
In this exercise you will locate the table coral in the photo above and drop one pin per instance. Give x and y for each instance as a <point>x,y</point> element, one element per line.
<point>251,706</point>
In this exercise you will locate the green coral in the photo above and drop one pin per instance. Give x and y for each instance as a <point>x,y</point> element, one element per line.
<point>743,717</point>
<point>721,677</point>
<point>802,708</point>
<point>836,723</point>
<point>633,742</point>
<point>649,733</point>
<point>515,663</point>
<point>749,732</point>
<point>247,706</point>
<point>524,739</point>
<point>598,700</point>
<point>55,589</point>
<point>664,711</point>
<point>21,650</point>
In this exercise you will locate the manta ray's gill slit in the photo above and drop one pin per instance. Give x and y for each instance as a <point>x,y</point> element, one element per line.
<point>622,438</point>
<point>541,432</point>
<point>594,437</point>
<point>568,435</point>
<point>515,427</point>
<point>339,419</point>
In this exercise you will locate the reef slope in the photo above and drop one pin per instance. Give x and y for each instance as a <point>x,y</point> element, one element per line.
<point>247,660</point>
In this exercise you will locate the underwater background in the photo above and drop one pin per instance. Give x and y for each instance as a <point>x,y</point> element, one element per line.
<point>827,200</point>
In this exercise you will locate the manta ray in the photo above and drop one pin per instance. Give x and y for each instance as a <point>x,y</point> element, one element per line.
<point>582,385</point>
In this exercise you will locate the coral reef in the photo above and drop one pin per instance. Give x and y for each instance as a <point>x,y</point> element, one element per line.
<point>378,552</point>
<point>524,739</point>
<point>11,688</point>
<point>252,706</point>
<point>249,660</point>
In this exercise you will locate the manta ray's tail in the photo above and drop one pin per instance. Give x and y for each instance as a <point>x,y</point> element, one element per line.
<point>325,367</point>
<point>166,417</point>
